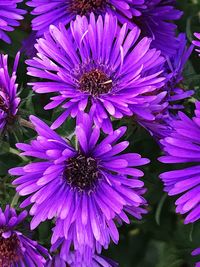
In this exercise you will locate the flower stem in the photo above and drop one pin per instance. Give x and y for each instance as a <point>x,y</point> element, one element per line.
<point>26,123</point>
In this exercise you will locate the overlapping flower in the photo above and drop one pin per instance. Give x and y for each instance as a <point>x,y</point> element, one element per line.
<point>156,22</point>
<point>172,96</point>
<point>183,146</point>
<point>9,101</point>
<point>10,15</point>
<point>153,17</point>
<point>75,259</point>
<point>17,250</point>
<point>64,11</point>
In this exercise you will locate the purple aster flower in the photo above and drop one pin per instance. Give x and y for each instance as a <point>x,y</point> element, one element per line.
<point>74,259</point>
<point>85,188</point>
<point>55,11</point>
<point>56,261</point>
<point>196,252</point>
<point>153,17</point>
<point>9,101</point>
<point>174,73</point>
<point>183,146</point>
<point>94,66</point>
<point>197,43</point>
<point>10,15</point>
<point>17,250</point>
<point>174,92</point>
<point>156,22</point>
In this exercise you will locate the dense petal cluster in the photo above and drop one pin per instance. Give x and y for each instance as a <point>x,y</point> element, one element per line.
<point>197,42</point>
<point>85,188</point>
<point>16,250</point>
<point>153,17</point>
<point>75,259</point>
<point>156,22</point>
<point>9,101</point>
<point>173,93</point>
<point>56,261</point>
<point>183,146</point>
<point>64,11</point>
<point>93,65</point>
<point>174,73</point>
<point>10,15</point>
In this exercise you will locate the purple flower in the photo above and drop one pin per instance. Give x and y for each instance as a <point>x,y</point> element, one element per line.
<point>196,252</point>
<point>156,22</point>
<point>55,11</point>
<point>15,248</point>
<point>153,17</point>
<point>183,146</point>
<point>75,259</point>
<point>174,73</point>
<point>28,45</point>
<point>9,101</point>
<point>174,92</point>
<point>10,15</point>
<point>56,261</point>
<point>197,43</point>
<point>94,66</point>
<point>86,187</point>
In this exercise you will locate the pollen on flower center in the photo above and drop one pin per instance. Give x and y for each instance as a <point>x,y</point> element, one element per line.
<point>9,249</point>
<point>83,7</point>
<point>81,172</point>
<point>95,82</point>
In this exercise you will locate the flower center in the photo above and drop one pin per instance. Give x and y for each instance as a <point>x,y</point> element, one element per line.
<point>83,7</point>
<point>81,172</point>
<point>95,82</point>
<point>10,251</point>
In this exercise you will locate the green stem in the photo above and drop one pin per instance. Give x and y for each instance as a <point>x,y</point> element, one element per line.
<point>26,123</point>
<point>16,152</point>
<point>15,200</point>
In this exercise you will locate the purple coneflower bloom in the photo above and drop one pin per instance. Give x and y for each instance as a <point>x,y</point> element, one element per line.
<point>197,43</point>
<point>16,250</point>
<point>196,252</point>
<point>8,93</point>
<point>9,16</point>
<point>85,188</point>
<point>93,65</point>
<point>55,11</point>
<point>183,146</point>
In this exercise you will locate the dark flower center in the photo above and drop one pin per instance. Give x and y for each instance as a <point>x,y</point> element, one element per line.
<point>83,7</point>
<point>3,106</point>
<point>95,82</point>
<point>10,251</point>
<point>81,172</point>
